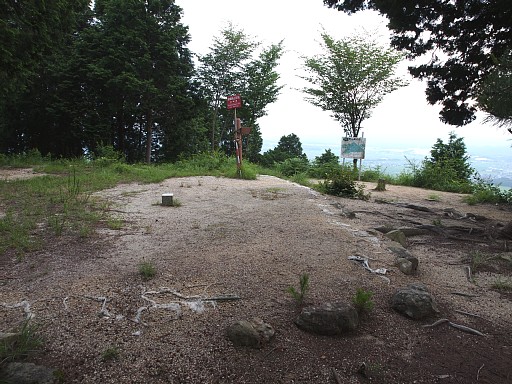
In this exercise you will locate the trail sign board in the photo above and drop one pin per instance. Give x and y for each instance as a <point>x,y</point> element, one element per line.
<point>353,147</point>
<point>234,102</point>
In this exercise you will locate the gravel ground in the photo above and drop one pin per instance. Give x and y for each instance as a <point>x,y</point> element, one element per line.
<point>253,239</point>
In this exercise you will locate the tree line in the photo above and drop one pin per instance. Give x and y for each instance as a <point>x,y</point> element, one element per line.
<point>77,77</point>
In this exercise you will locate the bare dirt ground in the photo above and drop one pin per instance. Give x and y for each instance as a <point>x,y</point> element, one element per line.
<point>253,239</point>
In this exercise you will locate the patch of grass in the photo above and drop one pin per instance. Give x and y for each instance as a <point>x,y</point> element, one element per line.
<point>111,353</point>
<point>362,301</point>
<point>299,295</point>
<point>437,222</point>
<point>147,270</point>
<point>115,224</point>
<point>478,259</point>
<point>502,284</point>
<point>24,342</point>
<point>434,197</point>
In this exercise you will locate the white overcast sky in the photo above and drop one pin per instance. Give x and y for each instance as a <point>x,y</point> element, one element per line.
<point>403,120</point>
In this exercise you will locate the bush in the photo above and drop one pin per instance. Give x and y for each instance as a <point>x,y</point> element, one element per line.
<point>339,184</point>
<point>362,301</point>
<point>293,166</point>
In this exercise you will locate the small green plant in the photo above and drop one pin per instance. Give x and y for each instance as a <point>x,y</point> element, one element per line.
<point>437,222</point>
<point>477,259</point>
<point>434,197</point>
<point>502,284</point>
<point>303,288</point>
<point>114,223</point>
<point>59,375</point>
<point>111,353</point>
<point>21,344</point>
<point>362,301</point>
<point>147,270</point>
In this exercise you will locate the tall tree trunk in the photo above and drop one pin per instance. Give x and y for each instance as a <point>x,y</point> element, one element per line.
<point>149,137</point>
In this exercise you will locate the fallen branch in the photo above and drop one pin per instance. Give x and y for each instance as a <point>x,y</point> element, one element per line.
<point>468,314</point>
<point>466,329</point>
<point>478,373</point>
<point>337,377</point>
<point>463,294</point>
<point>457,326</point>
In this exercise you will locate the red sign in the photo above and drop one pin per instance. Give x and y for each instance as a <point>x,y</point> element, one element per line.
<point>234,102</point>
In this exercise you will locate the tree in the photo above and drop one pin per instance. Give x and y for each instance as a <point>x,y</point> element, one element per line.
<point>288,147</point>
<point>36,37</point>
<point>350,79</point>
<point>461,37</point>
<point>230,68</point>
<point>496,92</point>
<point>137,75</point>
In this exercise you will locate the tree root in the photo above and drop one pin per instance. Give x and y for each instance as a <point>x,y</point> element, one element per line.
<point>457,326</point>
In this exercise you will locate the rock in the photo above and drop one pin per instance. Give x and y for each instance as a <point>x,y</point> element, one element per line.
<point>398,236</point>
<point>28,373</point>
<point>406,262</point>
<point>328,319</point>
<point>414,301</point>
<point>253,333</point>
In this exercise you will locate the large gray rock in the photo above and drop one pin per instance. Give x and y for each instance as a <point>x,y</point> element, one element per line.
<point>398,236</point>
<point>250,333</point>
<point>28,373</point>
<point>414,301</point>
<point>328,319</point>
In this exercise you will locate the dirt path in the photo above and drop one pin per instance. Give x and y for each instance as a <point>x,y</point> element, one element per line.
<point>253,239</point>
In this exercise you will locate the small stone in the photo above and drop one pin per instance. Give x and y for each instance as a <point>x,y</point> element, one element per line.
<point>253,333</point>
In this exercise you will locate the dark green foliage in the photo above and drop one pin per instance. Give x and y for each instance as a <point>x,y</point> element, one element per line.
<point>496,92</point>
<point>303,288</point>
<point>340,184</point>
<point>233,66</point>
<point>293,166</point>
<point>447,168</point>
<point>325,164</point>
<point>470,33</point>
<point>362,301</point>
<point>289,147</point>
<point>25,342</point>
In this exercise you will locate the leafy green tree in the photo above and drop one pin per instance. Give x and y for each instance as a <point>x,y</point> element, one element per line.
<point>451,155</point>
<point>29,30</point>
<point>36,39</point>
<point>137,73</point>
<point>351,78</point>
<point>288,147</point>
<point>233,67</point>
<point>460,37</point>
<point>324,165</point>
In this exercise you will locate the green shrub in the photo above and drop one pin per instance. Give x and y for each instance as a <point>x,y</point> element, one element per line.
<point>22,344</point>
<point>293,166</point>
<point>111,353</point>
<point>341,184</point>
<point>362,301</point>
<point>303,288</point>
<point>147,270</point>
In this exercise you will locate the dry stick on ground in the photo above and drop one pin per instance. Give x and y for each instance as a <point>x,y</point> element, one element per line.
<point>478,373</point>
<point>458,326</point>
<point>468,314</point>
<point>337,377</point>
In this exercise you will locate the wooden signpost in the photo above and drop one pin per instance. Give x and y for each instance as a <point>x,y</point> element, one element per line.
<point>234,102</point>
